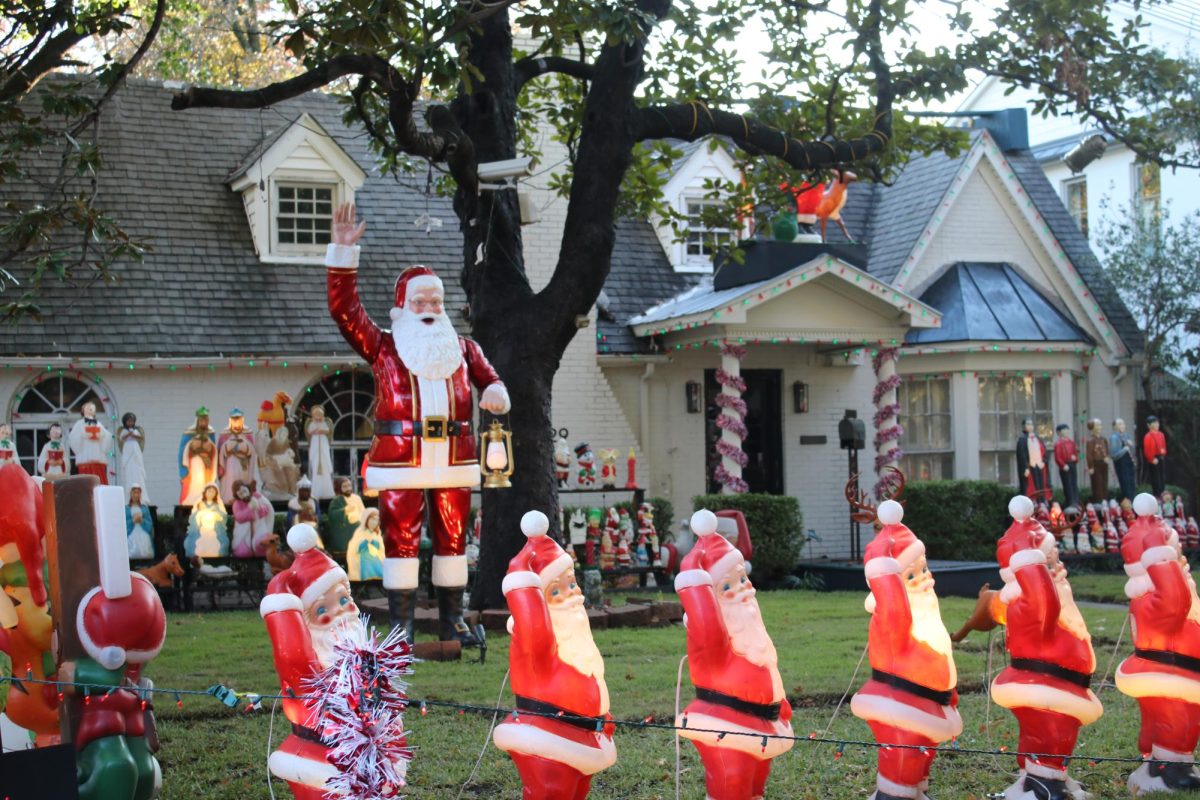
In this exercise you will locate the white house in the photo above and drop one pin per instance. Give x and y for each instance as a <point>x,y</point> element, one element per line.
<point>969,265</point>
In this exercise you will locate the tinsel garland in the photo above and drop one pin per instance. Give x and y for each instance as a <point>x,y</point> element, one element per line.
<point>731,402</point>
<point>361,715</point>
<point>733,453</point>
<point>733,425</point>
<point>886,419</point>
<point>735,484</point>
<point>731,419</point>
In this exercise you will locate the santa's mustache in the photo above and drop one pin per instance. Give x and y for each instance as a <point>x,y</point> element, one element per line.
<point>574,601</point>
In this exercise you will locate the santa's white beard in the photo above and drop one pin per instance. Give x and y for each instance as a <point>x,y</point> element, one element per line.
<point>927,625</point>
<point>345,627</point>
<point>573,634</point>
<point>748,637</point>
<point>1068,615</point>
<point>429,350</point>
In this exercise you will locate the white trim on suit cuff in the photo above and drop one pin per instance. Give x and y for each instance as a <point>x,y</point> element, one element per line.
<point>341,256</point>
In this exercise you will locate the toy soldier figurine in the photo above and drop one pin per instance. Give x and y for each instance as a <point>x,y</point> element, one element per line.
<point>1120,450</point>
<point>8,450</point>
<point>1097,461</point>
<point>89,441</point>
<point>424,433</point>
<point>1154,452</point>
<point>1032,474</point>
<point>1066,456</point>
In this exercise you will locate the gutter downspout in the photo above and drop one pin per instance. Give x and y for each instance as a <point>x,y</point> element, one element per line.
<point>644,409</point>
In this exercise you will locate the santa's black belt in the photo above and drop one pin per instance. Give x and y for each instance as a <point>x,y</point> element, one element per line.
<point>308,734</point>
<point>1080,679</point>
<point>942,698</point>
<point>1190,663</point>
<point>433,428</point>
<point>552,711</point>
<point>767,711</point>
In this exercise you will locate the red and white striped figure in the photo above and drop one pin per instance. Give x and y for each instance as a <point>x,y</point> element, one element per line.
<point>911,698</point>
<point>1192,536</point>
<point>1163,673</point>
<point>1046,684</point>
<point>1112,540</point>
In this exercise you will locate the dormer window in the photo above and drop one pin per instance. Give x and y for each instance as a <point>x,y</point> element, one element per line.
<point>704,241</point>
<point>303,217</point>
<point>290,185</point>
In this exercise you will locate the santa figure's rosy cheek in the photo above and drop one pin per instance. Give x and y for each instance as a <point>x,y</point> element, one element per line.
<point>324,619</point>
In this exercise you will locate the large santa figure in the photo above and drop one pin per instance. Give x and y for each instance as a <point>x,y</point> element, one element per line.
<point>1164,671</point>
<point>734,667</point>
<point>565,735</point>
<point>424,432</point>
<point>911,697</point>
<point>1046,684</point>
<point>307,609</point>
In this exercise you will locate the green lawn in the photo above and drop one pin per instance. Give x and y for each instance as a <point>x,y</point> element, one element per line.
<point>211,752</point>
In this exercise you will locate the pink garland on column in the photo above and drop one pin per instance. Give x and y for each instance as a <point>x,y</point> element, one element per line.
<point>733,421</point>
<point>883,412</point>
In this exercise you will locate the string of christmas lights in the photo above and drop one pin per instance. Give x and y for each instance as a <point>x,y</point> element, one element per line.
<point>223,694</point>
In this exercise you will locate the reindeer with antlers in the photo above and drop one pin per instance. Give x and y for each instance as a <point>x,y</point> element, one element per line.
<point>911,697</point>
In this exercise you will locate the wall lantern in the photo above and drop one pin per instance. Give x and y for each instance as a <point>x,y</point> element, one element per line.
<point>800,397</point>
<point>693,397</point>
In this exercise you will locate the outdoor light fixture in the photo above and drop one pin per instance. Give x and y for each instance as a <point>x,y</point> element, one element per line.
<point>1085,152</point>
<point>495,445</point>
<point>852,432</point>
<point>692,388</point>
<point>800,397</point>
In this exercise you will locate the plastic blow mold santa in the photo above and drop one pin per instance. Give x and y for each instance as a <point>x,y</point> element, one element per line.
<point>424,434</point>
<point>307,609</point>
<point>911,697</point>
<point>561,733</point>
<point>1163,673</point>
<point>1047,682</point>
<point>734,668</point>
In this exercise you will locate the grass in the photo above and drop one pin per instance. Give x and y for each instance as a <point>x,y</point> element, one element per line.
<point>211,752</point>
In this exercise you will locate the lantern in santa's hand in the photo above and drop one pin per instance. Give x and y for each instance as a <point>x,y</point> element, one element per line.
<point>495,456</point>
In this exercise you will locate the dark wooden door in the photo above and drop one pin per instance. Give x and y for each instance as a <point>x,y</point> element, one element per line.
<point>764,425</point>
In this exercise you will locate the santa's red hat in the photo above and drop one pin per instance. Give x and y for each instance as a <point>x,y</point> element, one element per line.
<point>712,553</point>
<point>540,561</point>
<point>311,575</point>
<point>1025,543</point>
<point>415,278</point>
<point>893,542</point>
<point>119,630</point>
<point>1145,544</point>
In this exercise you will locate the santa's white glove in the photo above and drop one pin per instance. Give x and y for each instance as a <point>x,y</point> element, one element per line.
<point>495,399</point>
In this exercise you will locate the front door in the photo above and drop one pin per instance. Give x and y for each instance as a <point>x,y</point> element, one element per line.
<point>764,425</point>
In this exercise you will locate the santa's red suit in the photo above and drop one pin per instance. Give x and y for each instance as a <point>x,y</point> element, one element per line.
<point>424,431</point>
<point>739,695</point>
<point>1046,684</point>
<point>564,736</point>
<point>911,697</point>
<point>1164,671</point>
<point>294,599</point>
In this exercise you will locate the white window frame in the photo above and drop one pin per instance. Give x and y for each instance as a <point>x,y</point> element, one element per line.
<point>1067,186</point>
<point>914,453</point>
<point>698,263</point>
<point>1001,450</point>
<point>1138,200</point>
<point>278,181</point>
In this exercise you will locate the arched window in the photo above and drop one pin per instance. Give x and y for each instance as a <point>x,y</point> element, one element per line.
<point>347,396</point>
<point>55,397</point>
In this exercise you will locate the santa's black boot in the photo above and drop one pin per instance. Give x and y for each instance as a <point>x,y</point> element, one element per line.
<point>1176,774</point>
<point>454,627</point>
<point>402,608</point>
<point>1047,788</point>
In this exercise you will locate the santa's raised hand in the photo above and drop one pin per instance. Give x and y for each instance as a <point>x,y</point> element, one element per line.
<point>345,231</point>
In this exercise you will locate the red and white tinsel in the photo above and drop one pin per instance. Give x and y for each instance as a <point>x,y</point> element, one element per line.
<point>731,421</point>
<point>887,425</point>
<point>361,715</point>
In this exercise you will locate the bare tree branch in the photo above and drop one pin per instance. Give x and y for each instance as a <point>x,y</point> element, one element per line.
<point>535,66</point>
<point>370,66</point>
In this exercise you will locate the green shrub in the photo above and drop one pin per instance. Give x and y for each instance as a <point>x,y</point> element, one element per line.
<point>775,528</point>
<point>958,519</point>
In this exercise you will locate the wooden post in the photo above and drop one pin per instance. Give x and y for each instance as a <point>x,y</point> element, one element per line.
<point>71,549</point>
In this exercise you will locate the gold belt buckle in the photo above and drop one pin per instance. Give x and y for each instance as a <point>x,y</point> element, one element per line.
<point>434,429</point>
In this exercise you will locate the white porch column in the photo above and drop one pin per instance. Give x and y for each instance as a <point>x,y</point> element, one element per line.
<point>887,408</point>
<point>730,421</point>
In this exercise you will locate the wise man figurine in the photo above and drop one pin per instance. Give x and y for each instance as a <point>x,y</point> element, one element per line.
<point>1097,461</point>
<point>1121,450</point>
<point>1033,478</point>
<point>1066,457</point>
<point>90,442</point>
<point>197,459</point>
<point>1154,453</point>
<point>345,513</point>
<point>424,435</point>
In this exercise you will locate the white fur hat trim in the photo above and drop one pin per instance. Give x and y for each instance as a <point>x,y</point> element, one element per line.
<point>301,537</point>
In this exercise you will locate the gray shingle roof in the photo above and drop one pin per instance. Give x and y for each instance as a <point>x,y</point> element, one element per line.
<point>991,302</point>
